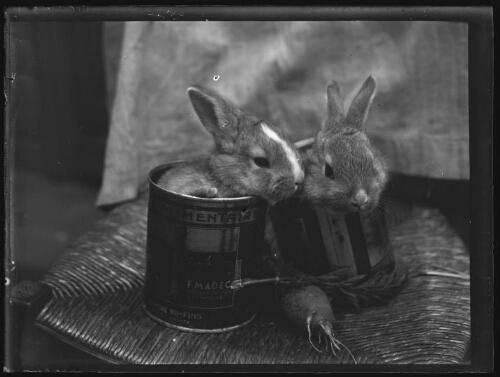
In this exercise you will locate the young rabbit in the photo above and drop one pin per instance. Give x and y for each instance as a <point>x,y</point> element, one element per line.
<point>344,172</point>
<point>251,156</point>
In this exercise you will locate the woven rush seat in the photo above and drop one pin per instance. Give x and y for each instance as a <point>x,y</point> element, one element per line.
<point>97,294</point>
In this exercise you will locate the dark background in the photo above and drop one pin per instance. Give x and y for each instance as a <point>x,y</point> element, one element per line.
<point>58,127</point>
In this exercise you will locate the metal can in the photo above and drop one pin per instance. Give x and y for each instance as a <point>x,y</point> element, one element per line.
<point>196,248</point>
<point>319,240</point>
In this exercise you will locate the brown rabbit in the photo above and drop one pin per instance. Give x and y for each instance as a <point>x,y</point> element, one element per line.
<point>344,172</point>
<point>251,155</point>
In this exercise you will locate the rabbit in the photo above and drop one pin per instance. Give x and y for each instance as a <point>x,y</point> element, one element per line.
<point>251,156</point>
<point>344,172</point>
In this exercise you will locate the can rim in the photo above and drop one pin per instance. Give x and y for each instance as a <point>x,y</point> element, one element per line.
<point>196,329</point>
<point>190,197</point>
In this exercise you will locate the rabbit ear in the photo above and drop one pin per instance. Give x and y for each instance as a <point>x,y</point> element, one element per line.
<point>358,111</point>
<point>217,115</point>
<point>335,105</point>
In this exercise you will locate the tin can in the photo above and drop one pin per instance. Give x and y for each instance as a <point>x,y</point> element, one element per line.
<point>196,248</point>
<point>319,240</point>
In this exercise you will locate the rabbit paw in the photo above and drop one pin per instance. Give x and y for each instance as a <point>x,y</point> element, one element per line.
<point>205,192</point>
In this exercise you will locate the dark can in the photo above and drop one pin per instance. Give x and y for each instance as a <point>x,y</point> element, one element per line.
<point>196,248</point>
<point>319,240</point>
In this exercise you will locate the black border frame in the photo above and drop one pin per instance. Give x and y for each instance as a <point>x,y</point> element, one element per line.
<point>481,77</point>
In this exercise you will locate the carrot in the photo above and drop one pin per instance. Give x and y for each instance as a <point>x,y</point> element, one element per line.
<point>308,308</point>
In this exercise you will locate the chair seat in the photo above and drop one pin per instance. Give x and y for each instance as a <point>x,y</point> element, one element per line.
<point>97,294</point>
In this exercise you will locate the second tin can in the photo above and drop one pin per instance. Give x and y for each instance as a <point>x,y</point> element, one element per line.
<point>196,248</point>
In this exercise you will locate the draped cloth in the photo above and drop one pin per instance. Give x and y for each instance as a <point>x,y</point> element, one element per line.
<point>279,70</point>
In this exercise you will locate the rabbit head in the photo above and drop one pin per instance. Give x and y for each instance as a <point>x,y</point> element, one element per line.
<point>344,172</point>
<point>251,156</point>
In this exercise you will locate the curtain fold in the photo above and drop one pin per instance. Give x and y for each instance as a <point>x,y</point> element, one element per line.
<point>279,70</point>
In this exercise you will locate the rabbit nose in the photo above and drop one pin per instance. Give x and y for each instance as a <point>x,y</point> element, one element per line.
<point>359,198</point>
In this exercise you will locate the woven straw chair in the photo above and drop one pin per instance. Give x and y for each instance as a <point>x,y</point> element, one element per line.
<point>94,292</point>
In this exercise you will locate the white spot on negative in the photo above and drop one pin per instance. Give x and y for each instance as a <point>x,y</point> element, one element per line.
<point>298,173</point>
<point>216,77</point>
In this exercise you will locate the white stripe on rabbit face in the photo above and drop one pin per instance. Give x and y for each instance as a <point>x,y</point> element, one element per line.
<point>298,173</point>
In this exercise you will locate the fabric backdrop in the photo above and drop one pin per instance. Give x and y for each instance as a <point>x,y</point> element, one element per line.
<point>280,70</point>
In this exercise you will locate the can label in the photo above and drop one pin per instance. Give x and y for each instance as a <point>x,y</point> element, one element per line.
<point>319,240</point>
<point>210,254</point>
<point>195,249</point>
<point>200,217</point>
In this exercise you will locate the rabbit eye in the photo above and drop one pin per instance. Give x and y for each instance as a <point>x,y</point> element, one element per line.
<point>329,172</point>
<point>261,162</point>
